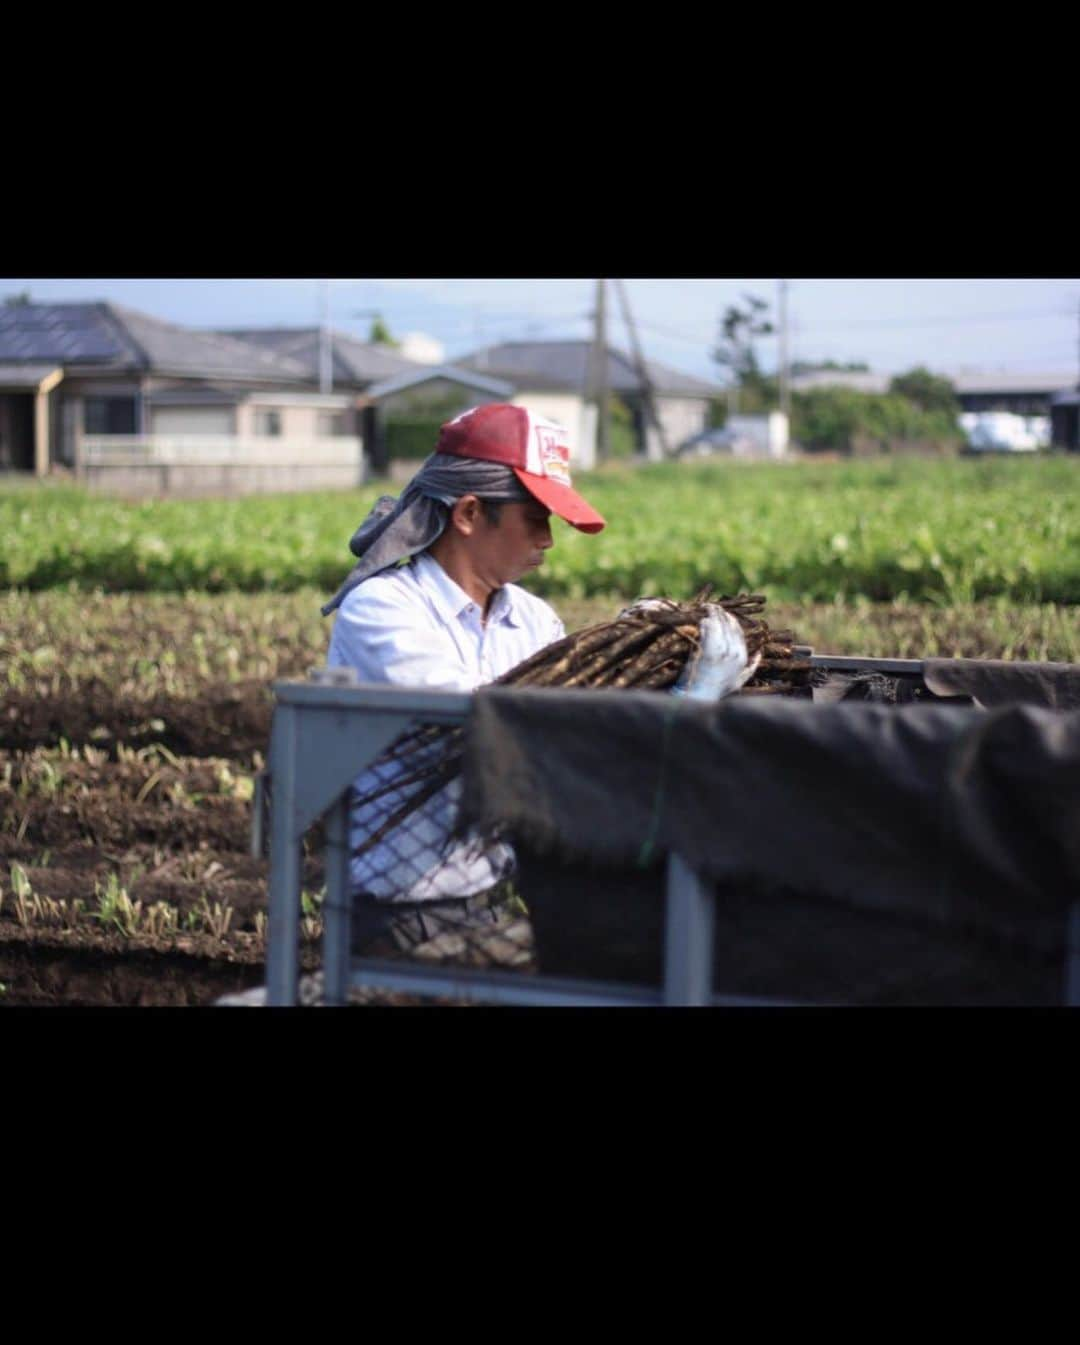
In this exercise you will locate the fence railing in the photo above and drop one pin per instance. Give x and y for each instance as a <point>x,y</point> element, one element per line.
<point>128,450</point>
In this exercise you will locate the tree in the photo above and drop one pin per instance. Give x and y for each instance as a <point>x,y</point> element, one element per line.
<point>20,300</point>
<point>380,334</point>
<point>833,417</point>
<point>734,351</point>
<point>926,390</point>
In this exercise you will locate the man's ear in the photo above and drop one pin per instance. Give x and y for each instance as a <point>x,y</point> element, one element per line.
<point>465,514</point>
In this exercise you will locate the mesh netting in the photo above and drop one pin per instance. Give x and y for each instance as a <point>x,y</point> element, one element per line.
<point>418,890</point>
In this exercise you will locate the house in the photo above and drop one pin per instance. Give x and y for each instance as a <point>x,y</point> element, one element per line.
<point>393,385</point>
<point>1023,394</point>
<point>81,383</point>
<point>134,404</point>
<point>555,377</point>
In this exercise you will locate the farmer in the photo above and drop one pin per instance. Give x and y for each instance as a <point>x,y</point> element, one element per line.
<point>433,602</point>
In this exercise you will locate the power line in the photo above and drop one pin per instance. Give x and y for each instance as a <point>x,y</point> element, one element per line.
<point>950,320</point>
<point>942,319</point>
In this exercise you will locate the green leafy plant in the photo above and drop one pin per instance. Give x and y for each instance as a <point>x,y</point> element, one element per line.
<point>115,908</point>
<point>1002,528</point>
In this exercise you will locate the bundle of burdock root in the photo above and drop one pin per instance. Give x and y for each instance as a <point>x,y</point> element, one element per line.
<point>646,647</point>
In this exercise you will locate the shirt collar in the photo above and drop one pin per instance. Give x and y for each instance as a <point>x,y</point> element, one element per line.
<point>452,599</point>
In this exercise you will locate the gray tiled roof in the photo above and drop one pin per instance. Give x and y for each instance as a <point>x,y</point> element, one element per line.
<point>109,336</point>
<point>564,365</point>
<point>356,362</point>
<point>169,347</point>
<point>497,387</point>
<point>61,333</point>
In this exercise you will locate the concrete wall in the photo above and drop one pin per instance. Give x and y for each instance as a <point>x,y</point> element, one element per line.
<point>768,432</point>
<point>141,480</point>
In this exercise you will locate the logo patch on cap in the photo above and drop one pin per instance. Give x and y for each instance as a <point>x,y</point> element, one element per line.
<point>554,454</point>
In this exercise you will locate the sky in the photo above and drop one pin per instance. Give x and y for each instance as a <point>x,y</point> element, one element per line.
<point>999,325</point>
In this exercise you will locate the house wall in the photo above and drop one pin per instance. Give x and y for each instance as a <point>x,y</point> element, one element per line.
<point>234,416</point>
<point>572,411</point>
<point>70,421</point>
<point>681,418</point>
<point>299,419</point>
<point>171,420</point>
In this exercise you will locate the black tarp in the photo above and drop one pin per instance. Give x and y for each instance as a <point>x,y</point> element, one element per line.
<point>916,818</point>
<point>996,682</point>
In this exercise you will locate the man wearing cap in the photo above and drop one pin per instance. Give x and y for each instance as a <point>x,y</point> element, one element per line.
<point>433,602</point>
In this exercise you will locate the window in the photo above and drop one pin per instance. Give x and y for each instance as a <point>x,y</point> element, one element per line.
<point>109,415</point>
<point>330,424</point>
<point>268,423</point>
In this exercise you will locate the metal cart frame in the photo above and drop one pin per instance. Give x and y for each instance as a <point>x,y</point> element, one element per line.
<point>324,732</point>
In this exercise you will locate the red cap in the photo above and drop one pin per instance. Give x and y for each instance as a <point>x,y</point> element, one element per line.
<point>536,448</point>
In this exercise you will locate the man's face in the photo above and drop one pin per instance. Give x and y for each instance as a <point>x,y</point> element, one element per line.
<point>502,552</point>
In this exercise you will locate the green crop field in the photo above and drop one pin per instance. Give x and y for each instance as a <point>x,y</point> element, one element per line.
<point>942,532</point>
<point>138,644</point>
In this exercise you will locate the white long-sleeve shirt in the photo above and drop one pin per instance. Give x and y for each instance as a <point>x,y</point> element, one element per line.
<point>413,626</point>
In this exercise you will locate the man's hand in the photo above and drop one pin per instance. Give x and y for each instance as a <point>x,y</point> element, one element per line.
<point>722,663</point>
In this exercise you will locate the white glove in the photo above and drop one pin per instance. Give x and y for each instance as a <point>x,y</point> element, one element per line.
<point>722,664</point>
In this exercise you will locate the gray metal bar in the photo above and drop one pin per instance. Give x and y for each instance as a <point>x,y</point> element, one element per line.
<point>332,747</point>
<point>1072,957</point>
<point>282,953</point>
<point>472,984</point>
<point>843,663</point>
<point>433,705</point>
<point>496,987</point>
<point>337,912</point>
<point>688,938</point>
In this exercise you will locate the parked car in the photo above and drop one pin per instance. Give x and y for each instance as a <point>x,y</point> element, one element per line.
<point>1003,432</point>
<point>708,442</point>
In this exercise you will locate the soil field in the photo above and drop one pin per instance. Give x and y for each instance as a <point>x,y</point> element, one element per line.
<point>130,732</point>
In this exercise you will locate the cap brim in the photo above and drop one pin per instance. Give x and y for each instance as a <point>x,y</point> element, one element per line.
<point>562,501</point>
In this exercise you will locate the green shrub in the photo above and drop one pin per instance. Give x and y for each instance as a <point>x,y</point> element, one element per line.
<point>413,436</point>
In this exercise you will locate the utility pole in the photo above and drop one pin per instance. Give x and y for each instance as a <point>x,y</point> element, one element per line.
<point>648,395</point>
<point>326,354</point>
<point>600,373</point>
<point>785,390</point>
